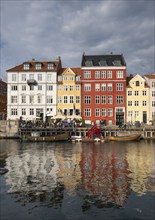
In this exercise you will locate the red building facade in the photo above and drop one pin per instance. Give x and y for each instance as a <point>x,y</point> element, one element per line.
<point>103,89</point>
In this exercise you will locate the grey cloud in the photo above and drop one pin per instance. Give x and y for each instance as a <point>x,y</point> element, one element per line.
<point>47,29</point>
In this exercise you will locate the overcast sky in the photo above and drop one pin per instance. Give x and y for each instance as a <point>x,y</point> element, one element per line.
<point>44,30</point>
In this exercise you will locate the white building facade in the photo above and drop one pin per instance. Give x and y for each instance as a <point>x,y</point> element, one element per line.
<point>32,90</point>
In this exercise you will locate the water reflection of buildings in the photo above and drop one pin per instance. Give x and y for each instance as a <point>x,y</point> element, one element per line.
<point>140,159</point>
<point>69,167</point>
<point>105,174</point>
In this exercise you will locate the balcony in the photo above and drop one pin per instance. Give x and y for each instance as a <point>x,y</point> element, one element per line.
<point>31,82</point>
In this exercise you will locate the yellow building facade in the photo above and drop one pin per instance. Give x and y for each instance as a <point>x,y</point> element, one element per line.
<point>138,102</point>
<point>69,91</point>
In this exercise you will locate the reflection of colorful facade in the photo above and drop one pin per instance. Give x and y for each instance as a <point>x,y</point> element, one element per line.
<point>140,162</point>
<point>69,169</point>
<point>104,174</point>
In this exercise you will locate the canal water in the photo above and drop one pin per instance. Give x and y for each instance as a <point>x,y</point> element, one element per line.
<point>81,181</point>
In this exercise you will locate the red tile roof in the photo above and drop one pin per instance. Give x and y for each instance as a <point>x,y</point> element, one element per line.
<point>150,76</point>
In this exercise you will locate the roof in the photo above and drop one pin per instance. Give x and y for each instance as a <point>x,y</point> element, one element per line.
<point>32,66</point>
<point>103,60</point>
<point>150,76</point>
<point>76,70</point>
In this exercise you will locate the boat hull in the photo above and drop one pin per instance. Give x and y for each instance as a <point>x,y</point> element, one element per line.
<point>58,137</point>
<point>125,138</point>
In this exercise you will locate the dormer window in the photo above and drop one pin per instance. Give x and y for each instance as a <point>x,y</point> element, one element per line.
<point>38,66</point>
<point>26,66</point>
<point>137,83</point>
<point>89,63</point>
<point>117,63</point>
<point>50,66</point>
<point>103,63</point>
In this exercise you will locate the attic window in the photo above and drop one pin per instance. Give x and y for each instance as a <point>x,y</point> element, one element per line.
<point>50,66</point>
<point>38,66</point>
<point>26,66</point>
<point>117,63</point>
<point>103,63</point>
<point>89,63</point>
<point>137,83</point>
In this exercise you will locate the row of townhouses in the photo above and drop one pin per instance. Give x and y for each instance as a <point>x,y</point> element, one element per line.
<point>98,90</point>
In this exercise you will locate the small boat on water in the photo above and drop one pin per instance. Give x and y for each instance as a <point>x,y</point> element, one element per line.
<point>135,137</point>
<point>36,137</point>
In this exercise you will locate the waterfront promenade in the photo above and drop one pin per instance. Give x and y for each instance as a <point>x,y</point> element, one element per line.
<point>11,129</point>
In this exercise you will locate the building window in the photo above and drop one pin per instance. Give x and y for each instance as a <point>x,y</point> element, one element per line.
<point>59,78</point>
<point>50,66</point>
<point>97,87</point>
<point>39,99</point>
<point>59,87</point>
<point>13,99</point>
<point>23,111</point>
<point>31,76</point>
<point>109,86</point>
<point>38,66</point>
<point>23,98</point>
<point>87,87</point>
<point>40,87</point>
<point>103,112</point>
<point>153,115</point>
<point>26,66</point>
<point>65,78</point>
<point>109,112</point>
<point>14,88</point>
<point>24,77</point>
<point>153,84</point>
<point>97,112</point>
<point>87,75</point>
<point>71,88</point>
<point>71,78</point>
<point>77,88</point>
<point>144,103</point>
<point>65,88</point>
<point>77,99</point>
<point>103,86</point>
<point>59,99</point>
<point>109,74</point>
<point>49,77</point>
<point>119,99</point>
<point>153,93</point>
<point>39,77</point>
<point>153,103</point>
<point>14,77</point>
<point>31,111</point>
<point>49,99</point>
<point>87,99</point>
<point>144,92</point>
<point>103,74</point>
<point>71,99</point>
<point>31,87</point>
<point>119,74</point>
<point>23,87</point>
<point>103,99</point>
<point>97,74</point>
<point>109,99</point>
<point>65,99</point>
<point>87,112</point>
<point>136,93</point>
<point>38,111</point>
<point>14,111</point>
<point>136,103</point>
<point>119,87</point>
<point>78,78</point>
<point>129,113</point>
<point>137,83</point>
<point>129,103</point>
<point>97,99</point>
<point>136,114</point>
<point>49,87</point>
<point>129,93</point>
<point>31,99</point>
